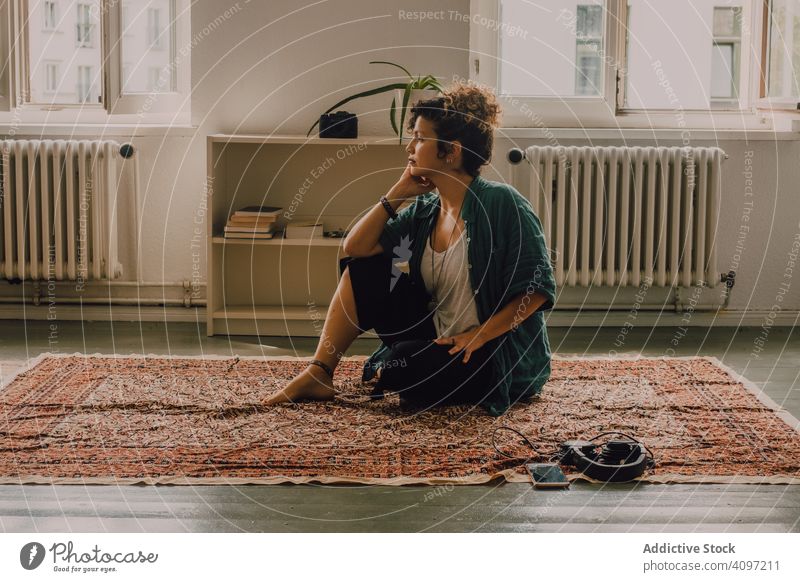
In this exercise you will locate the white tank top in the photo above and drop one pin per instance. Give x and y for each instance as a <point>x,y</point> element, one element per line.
<point>456,310</point>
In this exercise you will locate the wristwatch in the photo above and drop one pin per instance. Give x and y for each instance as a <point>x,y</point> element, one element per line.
<point>388,207</point>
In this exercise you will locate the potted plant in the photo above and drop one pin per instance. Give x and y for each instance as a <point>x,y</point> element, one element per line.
<point>415,89</point>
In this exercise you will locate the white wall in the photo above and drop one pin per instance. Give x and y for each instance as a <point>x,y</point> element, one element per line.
<point>275,66</point>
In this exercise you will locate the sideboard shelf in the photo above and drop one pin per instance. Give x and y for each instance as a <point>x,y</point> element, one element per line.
<point>316,242</point>
<point>283,286</point>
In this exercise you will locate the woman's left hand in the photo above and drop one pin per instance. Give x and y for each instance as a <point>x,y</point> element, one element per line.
<point>469,341</point>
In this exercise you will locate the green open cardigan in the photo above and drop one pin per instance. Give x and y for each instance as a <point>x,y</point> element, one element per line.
<point>507,255</point>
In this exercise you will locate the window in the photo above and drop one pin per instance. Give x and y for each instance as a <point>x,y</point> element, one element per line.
<point>153,79</point>
<point>725,56</point>
<point>784,50</point>
<point>50,15</point>
<point>92,72</point>
<point>51,77</point>
<point>635,63</point>
<point>46,48</point>
<point>681,53</point>
<point>84,24</point>
<point>566,39</point>
<point>83,90</point>
<point>588,45</point>
<point>154,28</point>
<point>149,48</point>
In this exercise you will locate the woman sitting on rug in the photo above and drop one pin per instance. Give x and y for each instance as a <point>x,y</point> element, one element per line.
<point>454,285</point>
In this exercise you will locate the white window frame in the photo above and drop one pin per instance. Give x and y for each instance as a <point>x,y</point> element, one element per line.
<point>166,104</point>
<point>771,103</point>
<point>527,111</point>
<point>606,111</point>
<point>163,109</point>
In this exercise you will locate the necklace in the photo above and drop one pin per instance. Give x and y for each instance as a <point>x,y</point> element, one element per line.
<point>434,280</point>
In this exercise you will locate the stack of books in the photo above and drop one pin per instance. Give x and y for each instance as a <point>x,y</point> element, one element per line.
<point>253,222</point>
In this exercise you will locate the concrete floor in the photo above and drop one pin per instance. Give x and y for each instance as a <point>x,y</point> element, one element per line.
<point>497,507</point>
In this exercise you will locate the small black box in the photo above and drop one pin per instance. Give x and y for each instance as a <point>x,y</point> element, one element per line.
<point>339,124</point>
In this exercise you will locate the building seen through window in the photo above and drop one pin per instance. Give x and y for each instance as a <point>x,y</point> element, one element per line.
<point>65,53</point>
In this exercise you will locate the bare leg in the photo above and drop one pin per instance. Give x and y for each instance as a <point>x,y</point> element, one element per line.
<point>338,332</point>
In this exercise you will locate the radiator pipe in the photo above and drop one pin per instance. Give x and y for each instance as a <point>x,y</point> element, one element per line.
<point>107,283</point>
<point>37,298</point>
<point>103,301</point>
<point>516,155</point>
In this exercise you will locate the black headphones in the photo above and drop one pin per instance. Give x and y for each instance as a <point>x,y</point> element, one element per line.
<point>616,461</point>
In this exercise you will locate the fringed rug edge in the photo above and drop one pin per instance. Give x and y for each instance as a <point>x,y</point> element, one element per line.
<point>762,396</point>
<point>508,475</point>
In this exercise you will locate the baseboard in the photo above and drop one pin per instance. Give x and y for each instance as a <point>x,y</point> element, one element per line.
<point>104,313</point>
<point>557,318</point>
<point>642,318</point>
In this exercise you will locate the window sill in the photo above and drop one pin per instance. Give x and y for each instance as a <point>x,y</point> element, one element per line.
<point>82,130</point>
<point>681,125</point>
<point>650,134</point>
<point>71,120</point>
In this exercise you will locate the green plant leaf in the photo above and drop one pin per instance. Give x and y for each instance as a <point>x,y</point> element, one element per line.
<point>431,81</point>
<point>391,116</point>
<point>406,97</point>
<point>393,64</point>
<point>383,89</point>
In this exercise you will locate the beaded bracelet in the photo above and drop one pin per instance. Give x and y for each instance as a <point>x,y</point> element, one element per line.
<point>388,207</point>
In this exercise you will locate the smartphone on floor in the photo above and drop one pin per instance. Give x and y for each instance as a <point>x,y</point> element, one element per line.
<point>547,475</point>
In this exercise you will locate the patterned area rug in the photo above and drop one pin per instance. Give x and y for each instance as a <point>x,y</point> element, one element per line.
<point>157,419</point>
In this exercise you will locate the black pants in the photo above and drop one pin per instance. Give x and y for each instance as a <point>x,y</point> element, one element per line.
<point>422,372</point>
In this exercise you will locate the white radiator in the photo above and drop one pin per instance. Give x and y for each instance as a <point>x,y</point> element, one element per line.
<point>58,210</point>
<point>620,216</point>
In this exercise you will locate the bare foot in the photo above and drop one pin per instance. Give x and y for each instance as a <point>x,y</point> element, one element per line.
<point>313,383</point>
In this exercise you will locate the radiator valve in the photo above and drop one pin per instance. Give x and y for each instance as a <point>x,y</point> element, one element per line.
<point>728,278</point>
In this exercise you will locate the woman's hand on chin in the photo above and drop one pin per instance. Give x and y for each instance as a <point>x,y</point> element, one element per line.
<point>411,186</point>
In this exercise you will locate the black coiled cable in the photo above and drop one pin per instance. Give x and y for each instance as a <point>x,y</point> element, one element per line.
<point>606,457</point>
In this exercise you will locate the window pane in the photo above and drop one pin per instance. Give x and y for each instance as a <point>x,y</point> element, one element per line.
<point>551,47</point>
<point>147,46</point>
<point>84,32</point>
<point>674,61</point>
<point>74,41</point>
<point>51,77</point>
<point>50,15</point>
<point>784,49</point>
<point>722,81</point>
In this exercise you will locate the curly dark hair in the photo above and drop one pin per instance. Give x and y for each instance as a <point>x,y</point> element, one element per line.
<point>464,113</point>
